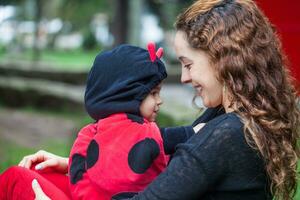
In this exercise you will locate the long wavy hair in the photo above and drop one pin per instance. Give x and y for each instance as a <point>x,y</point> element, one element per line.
<point>246,53</point>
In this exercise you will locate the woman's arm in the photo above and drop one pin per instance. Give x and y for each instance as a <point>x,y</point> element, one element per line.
<point>196,166</point>
<point>184,178</point>
<point>176,135</point>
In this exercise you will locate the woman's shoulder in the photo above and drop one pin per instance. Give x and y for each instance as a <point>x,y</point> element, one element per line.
<point>222,138</point>
<point>226,129</point>
<point>225,123</point>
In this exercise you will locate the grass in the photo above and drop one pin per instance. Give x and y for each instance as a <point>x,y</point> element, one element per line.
<point>72,59</point>
<point>297,196</point>
<point>11,153</point>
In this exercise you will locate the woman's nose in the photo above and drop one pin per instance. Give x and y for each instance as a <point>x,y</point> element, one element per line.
<point>185,76</point>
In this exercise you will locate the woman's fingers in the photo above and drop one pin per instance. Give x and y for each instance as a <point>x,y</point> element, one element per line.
<point>39,194</point>
<point>36,187</point>
<point>46,164</point>
<point>21,163</point>
<point>27,161</point>
<point>44,160</point>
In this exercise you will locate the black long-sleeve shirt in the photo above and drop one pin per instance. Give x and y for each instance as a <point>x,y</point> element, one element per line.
<point>176,135</point>
<point>216,163</point>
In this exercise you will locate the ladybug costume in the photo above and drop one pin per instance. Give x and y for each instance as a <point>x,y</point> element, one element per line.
<point>121,153</point>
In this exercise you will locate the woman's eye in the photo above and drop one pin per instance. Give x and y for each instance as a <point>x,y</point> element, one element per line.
<point>188,66</point>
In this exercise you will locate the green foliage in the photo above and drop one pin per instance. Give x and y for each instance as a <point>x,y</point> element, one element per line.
<point>10,2</point>
<point>164,120</point>
<point>80,13</point>
<point>89,41</point>
<point>2,50</point>
<point>74,59</point>
<point>167,11</point>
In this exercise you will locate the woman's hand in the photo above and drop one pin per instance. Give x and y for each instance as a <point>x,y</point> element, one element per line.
<point>39,193</point>
<point>45,160</point>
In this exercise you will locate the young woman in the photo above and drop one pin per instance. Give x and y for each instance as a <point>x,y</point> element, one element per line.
<point>232,56</point>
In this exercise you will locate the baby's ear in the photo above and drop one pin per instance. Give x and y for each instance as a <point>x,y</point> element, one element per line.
<point>160,52</point>
<point>151,50</point>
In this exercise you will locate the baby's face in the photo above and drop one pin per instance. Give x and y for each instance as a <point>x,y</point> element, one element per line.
<point>150,105</point>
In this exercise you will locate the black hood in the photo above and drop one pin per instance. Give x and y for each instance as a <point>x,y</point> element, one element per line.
<point>120,79</point>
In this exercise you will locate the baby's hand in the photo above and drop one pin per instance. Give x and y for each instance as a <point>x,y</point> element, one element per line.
<point>198,127</point>
<point>45,160</point>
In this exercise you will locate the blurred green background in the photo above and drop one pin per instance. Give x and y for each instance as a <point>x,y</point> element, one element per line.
<point>46,51</point>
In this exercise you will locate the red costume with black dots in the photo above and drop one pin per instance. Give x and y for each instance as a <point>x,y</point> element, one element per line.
<point>116,157</point>
<point>122,152</point>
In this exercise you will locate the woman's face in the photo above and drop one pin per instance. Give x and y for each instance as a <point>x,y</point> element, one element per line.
<point>197,70</point>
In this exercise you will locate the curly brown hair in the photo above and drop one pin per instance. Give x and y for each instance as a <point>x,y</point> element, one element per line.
<point>246,52</point>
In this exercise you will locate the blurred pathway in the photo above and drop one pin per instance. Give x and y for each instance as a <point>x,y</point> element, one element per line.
<point>32,129</point>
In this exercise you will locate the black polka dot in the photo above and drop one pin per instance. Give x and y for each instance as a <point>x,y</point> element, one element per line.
<point>135,118</point>
<point>124,195</point>
<point>142,154</point>
<point>92,154</point>
<point>77,168</point>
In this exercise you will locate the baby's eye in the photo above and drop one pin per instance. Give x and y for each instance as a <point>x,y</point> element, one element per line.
<point>154,93</point>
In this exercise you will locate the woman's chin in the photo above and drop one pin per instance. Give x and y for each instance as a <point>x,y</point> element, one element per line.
<point>209,104</point>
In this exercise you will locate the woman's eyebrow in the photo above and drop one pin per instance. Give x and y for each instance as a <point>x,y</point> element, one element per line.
<point>183,59</point>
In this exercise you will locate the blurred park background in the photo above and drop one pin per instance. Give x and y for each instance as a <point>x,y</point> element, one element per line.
<point>46,51</point>
<point>48,47</point>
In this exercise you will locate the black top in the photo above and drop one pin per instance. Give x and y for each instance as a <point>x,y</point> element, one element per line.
<point>175,135</point>
<point>216,163</point>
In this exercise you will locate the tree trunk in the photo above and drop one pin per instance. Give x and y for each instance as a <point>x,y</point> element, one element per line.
<point>120,21</point>
<point>135,21</point>
<point>37,19</point>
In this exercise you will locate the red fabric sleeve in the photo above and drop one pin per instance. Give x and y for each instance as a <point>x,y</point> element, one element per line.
<point>15,184</point>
